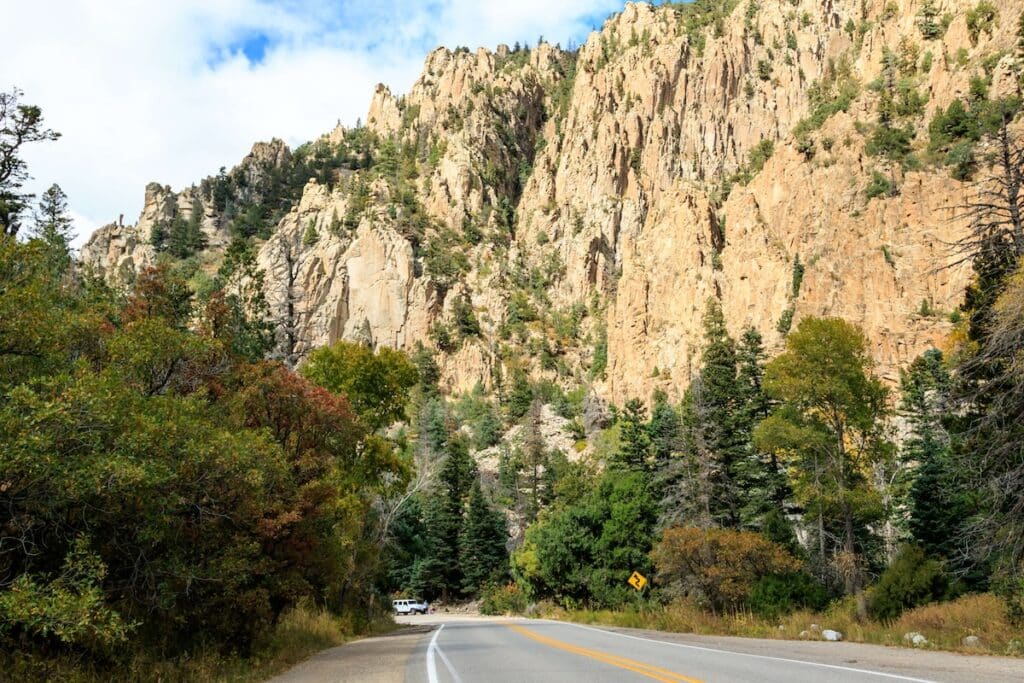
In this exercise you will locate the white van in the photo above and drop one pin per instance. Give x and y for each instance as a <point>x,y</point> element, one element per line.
<point>409,606</point>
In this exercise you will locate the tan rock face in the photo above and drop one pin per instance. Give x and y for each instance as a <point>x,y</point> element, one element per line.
<point>608,171</point>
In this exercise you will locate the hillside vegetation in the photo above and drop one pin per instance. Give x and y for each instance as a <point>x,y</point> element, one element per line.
<point>730,296</point>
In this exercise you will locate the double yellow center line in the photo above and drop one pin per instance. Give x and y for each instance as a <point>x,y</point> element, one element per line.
<point>657,673</point>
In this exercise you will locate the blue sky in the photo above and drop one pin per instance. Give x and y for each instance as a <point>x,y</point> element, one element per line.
<point>171,91</point>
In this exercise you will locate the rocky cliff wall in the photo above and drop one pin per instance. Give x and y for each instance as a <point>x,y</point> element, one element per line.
<point>611,193</point>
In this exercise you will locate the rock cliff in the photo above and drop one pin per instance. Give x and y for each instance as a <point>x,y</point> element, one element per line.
<point>571,214</point>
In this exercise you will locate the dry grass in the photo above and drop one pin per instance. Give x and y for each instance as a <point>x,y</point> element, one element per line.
<point>299,634</point>
<point>945,625</point>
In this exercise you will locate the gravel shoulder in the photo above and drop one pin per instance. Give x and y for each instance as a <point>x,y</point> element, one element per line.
<point>381,659</point>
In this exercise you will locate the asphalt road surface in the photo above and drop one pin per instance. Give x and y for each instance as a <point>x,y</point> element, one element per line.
<point>460,650</point>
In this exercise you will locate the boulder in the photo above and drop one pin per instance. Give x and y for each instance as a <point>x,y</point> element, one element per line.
<point>915,639</point>
<point>830,635</point>
<point>971,641</point>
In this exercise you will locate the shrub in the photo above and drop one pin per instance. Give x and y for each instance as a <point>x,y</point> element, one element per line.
<point>962,161</point>
<point>891,142</point>
<point>785,323</point>
<point>778,594</point>
<point>981,19</point>
<point>760,155</point>
<point>835,92</point>
<point>912,579</point>
<point>718,567</point>
<point>465,318</point>
<point>879,186</point>
<point>507,599</point>
<point>926,21</point>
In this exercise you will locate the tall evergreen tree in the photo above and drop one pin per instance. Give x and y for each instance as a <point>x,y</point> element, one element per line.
<point>934,517</point>
<point>759,477</point>
<point>185,235</point>
<point>439,571</point>
<point>635,448</point>
<point>53,227</point>
<point>664,430</point>
<point>720,422</point>
<point>482,553</point>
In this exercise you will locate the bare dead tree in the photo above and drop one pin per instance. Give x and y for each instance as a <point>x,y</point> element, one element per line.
<point>287,319</point>
<point>994,210</point>
<point>995,462</point>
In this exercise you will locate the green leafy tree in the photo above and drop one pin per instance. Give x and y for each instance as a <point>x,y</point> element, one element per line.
<point>376,383</point>
<point>584,552</point>
<point>239,313</point>
<point>912,579</point>
<point>829,425</point>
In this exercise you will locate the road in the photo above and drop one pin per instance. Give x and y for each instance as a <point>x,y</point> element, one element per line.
<point>464,650</point>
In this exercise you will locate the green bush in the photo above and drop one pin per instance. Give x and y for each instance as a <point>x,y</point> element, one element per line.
<point>506,599</point>
<point>891,142</point>
<point>879,186</point>
<point>927,21</point>
<point>961,160</point>
<point>912,579</point>
<point>981,19</point>
<point>785,323</point>
<point>778,594</point>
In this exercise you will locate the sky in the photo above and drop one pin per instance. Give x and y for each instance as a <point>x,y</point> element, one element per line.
<point>170,91</point>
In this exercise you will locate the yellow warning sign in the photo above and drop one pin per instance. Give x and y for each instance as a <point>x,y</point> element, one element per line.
<point>638,581</point>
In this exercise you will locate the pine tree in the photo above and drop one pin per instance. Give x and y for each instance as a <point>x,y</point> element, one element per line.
<point>185,235</point>
<point>934,517</point>
<point>53,227</point>
<point>664,430</point>
<point>439,571</point>
<point>311,236</point>
<point>635,448</point>
<point>759,477</point>
<point>482,553</point>
<point>719,396</point>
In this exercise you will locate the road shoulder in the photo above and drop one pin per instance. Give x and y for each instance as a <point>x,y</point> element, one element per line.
<point>381,659</point>
<point>926,664</point>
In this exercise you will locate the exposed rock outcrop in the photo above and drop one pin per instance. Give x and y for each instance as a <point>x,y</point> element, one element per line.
<point>573,199</point>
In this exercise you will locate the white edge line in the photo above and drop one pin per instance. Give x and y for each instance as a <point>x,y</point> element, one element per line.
<point>431,663</point>
<point>448,665</point>
<point>745,654</point>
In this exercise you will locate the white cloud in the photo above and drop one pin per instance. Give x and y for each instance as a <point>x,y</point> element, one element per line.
<point>147,91</point>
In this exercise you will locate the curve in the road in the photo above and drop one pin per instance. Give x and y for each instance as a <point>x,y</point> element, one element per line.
<point>648,670</point>
<point>733,653</point>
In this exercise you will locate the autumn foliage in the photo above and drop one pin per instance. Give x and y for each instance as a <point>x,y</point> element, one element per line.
<point>717,567</point>
<point>157,488</point>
